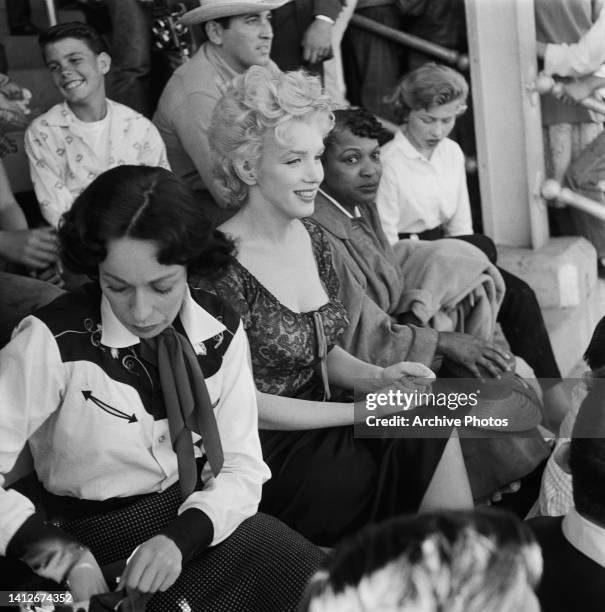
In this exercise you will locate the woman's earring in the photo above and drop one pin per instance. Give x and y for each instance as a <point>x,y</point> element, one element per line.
<point>249,175</point>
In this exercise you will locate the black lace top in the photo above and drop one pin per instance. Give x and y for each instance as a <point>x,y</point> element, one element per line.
<point>284,344</point>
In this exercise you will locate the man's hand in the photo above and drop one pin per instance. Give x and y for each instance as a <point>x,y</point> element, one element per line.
<point>317,41</point>
<point>35,249</point>
<point>85,578</point>
<point>154,566</point>
<point>576,91</point>
<point>470,352</point>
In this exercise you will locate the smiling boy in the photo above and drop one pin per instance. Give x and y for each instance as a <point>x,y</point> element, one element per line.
<point>86,134</point>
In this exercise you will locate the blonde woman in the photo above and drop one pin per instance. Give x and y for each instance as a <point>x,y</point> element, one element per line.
<point>267,135</point>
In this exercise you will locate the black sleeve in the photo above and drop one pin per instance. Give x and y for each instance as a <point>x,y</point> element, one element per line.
<point>192,531</point>
<point>48,550</point>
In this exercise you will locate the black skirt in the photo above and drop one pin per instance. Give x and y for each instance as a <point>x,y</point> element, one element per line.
<point>263,566</point>
<point>327,484</point>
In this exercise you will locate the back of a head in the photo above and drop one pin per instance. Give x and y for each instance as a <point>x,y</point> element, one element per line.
<point>587,455</point>
<point>595,353</point>
<point>73,29</point>
<point>482,561</point>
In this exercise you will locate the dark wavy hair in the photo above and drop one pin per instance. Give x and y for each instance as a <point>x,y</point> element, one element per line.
<point>360,122</point>
<point>595,353</point>
<point>73,29</point>
<point>587,454</point>
<point>145,203</point>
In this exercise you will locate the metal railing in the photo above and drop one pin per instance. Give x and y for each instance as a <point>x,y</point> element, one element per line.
<point>52,12</point>
<point>449,56</point>
<point>552,190</point>
<point>547,85</point>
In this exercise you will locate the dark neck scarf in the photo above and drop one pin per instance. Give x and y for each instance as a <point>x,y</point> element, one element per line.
<point>188,405</point>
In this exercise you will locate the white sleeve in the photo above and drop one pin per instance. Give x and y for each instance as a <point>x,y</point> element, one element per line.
<point>578,59</point>
<point>387,202</point>
<point>235,493</point>
<point>47,176</point>
<point>461,223</point>
<point>31,383</point>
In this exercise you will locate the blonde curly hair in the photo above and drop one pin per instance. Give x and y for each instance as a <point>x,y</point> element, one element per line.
<point>258,102</point>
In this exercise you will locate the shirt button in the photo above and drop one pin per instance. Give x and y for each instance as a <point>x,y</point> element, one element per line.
<point>162,439</point>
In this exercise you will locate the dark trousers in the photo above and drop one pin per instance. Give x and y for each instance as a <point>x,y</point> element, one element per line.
<point>372,64</point>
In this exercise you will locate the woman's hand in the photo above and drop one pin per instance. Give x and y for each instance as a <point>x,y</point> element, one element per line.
<point>154,566</point>
<point>410,373</point>
<point>470,352</point>
<point>85,578</point>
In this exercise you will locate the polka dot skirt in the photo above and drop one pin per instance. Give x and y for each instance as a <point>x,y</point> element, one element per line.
<point>262,567</point>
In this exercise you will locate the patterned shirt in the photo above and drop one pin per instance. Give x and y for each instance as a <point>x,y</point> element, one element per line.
<point>63,162</point>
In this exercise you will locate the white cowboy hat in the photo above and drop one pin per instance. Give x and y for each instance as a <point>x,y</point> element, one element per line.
<point>215,9</point>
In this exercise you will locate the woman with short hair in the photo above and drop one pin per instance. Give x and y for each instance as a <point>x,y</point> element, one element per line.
<point>423,194</point>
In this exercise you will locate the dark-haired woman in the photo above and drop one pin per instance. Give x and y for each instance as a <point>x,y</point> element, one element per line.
<point>137,400</point>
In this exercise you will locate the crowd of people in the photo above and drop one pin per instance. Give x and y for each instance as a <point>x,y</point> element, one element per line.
<point>188,342</point>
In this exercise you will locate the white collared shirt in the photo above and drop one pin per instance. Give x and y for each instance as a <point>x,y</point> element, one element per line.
<point>417,194</point>
<point>65,392</point>
<point>585,535</point>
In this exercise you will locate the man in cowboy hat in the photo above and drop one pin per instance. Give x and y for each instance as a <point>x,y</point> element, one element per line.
<point>239,36</point>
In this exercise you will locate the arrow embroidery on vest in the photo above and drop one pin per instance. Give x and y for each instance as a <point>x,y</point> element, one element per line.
<point>109,409</point>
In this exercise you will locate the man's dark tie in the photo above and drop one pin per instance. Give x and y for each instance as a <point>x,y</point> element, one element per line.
<point>188,406</point>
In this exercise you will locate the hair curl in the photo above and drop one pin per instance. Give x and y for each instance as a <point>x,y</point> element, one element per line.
<point>455,561</point>
<point>429,85</point>
<point>256,103</point>
<point>73,29</point>
<point>145,203</point>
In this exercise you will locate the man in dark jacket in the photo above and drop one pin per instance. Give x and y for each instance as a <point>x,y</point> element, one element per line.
<point>573,546</point>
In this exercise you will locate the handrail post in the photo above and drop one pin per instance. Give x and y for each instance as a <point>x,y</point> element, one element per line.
<point>552,190</point>
<point>449,56</point>
<point>51,11</point>
<point>507,121</point>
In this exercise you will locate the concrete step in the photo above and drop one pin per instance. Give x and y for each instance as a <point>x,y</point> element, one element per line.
<point>563,273</point>
<point>570,330</point>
